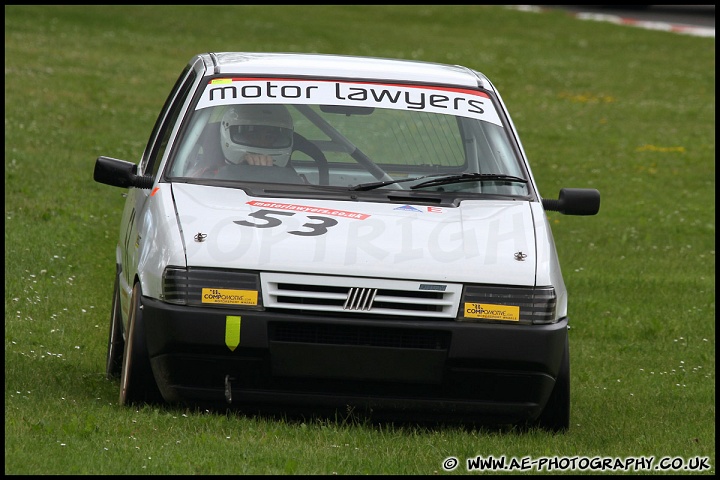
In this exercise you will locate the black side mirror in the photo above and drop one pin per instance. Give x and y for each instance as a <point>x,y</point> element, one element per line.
<point>575,201</point>
<point>119,173</point>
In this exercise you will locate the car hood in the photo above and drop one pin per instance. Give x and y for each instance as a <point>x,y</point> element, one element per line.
<point>488,241</point>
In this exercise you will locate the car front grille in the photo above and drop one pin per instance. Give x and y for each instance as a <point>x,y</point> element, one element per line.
<point>360,295</point>
<point>351,335</point>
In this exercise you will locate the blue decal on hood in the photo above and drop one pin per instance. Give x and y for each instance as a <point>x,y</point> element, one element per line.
<point>407,208</point>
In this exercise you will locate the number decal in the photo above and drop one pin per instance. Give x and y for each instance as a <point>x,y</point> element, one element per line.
<point>263,215</point>
<point>320,228</point>
<point>316,228</point>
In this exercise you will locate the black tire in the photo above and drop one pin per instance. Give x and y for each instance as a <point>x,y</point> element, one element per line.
<point>137,383</point>
<point>556,415</point>
<point>113,364</point>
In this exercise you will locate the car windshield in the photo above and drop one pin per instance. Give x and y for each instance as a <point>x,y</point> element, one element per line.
<point>345,135</point>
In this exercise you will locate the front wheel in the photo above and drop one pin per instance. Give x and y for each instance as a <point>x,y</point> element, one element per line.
<point>556,415</point>
<point>113,364</point>
<point>137,383</point>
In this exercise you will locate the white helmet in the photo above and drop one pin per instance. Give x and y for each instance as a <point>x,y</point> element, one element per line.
<point>263,129</point>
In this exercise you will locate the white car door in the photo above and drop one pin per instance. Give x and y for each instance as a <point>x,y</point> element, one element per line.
<point>132,226</point>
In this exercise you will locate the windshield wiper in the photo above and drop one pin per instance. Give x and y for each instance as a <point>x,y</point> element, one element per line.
<point>373,185</point>
<point>469,177</point>
<point>463,177</point>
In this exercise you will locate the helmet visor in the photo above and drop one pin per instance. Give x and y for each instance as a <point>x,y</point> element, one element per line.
<point>261,136</point>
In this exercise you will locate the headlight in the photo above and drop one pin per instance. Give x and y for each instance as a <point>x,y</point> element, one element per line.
<point>212,287</point>
<point>525,305</point>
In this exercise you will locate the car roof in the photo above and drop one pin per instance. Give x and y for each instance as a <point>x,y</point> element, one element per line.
<point>343,66</point>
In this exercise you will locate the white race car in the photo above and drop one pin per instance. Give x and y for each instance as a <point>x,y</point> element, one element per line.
<point>324,231</point>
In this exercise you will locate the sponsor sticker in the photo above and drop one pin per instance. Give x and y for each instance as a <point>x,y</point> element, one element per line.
<point>407,208</point>
<point>229,297</point>
<point>462,102</point>
<point>489,311</point>
<point>308,209</point>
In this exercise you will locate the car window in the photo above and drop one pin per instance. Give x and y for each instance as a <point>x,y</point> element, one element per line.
<point>167,118</point>
<point>348,134</point>
<point>393,137</point>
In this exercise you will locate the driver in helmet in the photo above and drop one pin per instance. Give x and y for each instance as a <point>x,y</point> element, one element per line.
<point>251,134</point>
<point>257,134</point>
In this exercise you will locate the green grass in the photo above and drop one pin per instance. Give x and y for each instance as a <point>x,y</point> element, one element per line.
<point>628,111</point>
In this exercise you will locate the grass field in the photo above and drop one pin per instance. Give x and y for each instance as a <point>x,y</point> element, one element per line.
<point>630,112</point>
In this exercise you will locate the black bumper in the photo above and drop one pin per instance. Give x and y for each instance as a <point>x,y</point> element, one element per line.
<point>485,372</point>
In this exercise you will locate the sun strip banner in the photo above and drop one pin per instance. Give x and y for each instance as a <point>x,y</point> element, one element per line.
<point>449,101</point>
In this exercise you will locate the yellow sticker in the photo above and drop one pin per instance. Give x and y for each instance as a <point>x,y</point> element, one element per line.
<point>232,331</point>
<point>489,311</point>
<point>229,297</point>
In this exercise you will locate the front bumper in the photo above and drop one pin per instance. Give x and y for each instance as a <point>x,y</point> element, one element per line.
<point>488,372</point>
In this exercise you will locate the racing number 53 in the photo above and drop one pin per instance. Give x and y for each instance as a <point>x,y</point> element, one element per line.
<point>270,222</point>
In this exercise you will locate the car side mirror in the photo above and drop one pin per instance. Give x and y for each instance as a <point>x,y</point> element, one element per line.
<point>119,173</point>
<point>575,201</point>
